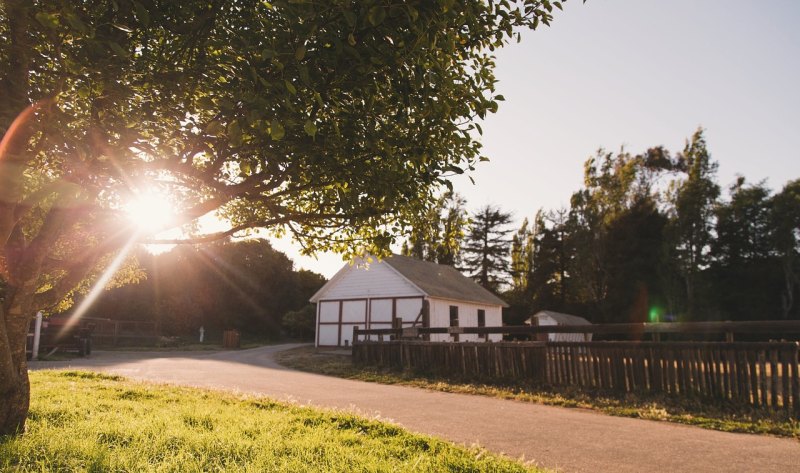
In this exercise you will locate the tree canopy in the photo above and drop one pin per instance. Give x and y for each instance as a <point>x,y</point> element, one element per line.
<point>334,121</point>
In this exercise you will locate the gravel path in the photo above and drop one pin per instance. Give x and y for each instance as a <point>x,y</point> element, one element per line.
<point>569,440</point>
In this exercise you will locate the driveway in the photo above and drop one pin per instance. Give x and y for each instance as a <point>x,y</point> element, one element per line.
<point>570,440</point>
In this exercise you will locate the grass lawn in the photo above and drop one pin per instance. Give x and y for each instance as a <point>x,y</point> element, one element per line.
<point>90,422</point>
<point>685,411</point>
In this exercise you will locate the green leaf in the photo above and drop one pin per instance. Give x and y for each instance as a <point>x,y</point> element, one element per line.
<point>76,23</point>
<point>499,98</point>
<point>310,128</point>
<point>117,49</point>
<point>302,71</point>
<point>290,87</point>
<point>276,131</point>
<point>376,15</point>
<point>235,133</point>
<point>351,18</point>
<point>48,20</point>
<point>141,13</point>
<point>214,128</point>
<point>244,168</point>
<point>351,40</point>
<point>300,53</point>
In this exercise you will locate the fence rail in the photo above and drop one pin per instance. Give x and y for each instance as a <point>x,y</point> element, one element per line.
<point>758,374</point>
<point>729,329</point>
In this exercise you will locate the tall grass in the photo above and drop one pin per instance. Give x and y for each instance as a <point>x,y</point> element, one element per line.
<point>90,422</point>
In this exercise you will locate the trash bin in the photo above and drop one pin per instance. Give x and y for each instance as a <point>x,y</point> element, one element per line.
<point>230,339</point>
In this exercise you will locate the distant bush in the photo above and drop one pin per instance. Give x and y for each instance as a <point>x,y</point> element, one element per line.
<point>301,323</point>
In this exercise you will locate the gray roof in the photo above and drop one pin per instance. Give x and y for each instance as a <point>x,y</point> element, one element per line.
<point>438,280</point>
<point>560,318</point>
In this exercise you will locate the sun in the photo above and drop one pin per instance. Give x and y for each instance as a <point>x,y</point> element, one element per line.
<point>150,212</point>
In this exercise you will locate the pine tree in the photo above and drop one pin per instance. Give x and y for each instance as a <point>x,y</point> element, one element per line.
<point>486,248</point>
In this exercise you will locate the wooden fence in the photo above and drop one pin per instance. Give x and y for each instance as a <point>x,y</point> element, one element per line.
<point>759,374</point>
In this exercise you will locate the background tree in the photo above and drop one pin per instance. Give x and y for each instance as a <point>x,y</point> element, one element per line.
<point>786,227</point>
<point>692,202</point>
<point>485,250</point>
<point>551,282</point>
<point>245,285</point>
<point>745,274</point>
<point>437,234</point>
<point>518,296</point>
<point>301,324</point>
<point>615,237</point>
<point>332,122</point>
<point>521,256</point>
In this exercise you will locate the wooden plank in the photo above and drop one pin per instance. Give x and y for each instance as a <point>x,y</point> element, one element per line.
<point>762,377</point>
<point>785,357</point>
<point>794,364</point>
<point>774,378</point>
<point>752,386</point>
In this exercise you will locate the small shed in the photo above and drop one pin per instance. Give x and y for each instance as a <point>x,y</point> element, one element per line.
<point>549,317</point>
<point>400,291</point>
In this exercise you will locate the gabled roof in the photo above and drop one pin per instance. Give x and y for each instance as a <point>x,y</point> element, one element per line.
<point>432,279</point>
<point>561,318</point>
<point>439,280</point>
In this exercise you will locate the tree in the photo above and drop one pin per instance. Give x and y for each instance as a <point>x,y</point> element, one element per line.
<point>691,223</point>
<point>550,279</point>
<point>333,122</point>
<point>522,256</point>
<point>615,231</point>
<point>437,234</point>
<point>301,323</point>
<point>745,273</point>
<point>786,227</point>
<point>486,247</point>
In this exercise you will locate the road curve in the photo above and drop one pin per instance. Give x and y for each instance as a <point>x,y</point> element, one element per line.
<point>569,440</point>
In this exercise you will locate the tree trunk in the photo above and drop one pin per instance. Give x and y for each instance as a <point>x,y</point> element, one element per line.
<point>14,404</point>
<point>14,383</point>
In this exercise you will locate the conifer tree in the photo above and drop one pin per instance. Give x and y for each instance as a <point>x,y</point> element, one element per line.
<point>486,248</point>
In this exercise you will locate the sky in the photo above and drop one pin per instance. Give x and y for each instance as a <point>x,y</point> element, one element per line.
<point>638,74</point>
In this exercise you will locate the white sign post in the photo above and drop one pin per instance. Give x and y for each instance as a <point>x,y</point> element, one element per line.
<point>37,333</point>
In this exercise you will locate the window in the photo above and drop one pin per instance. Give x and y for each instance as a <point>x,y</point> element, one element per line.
<point>454,320</point>
<point>481,318</point>
<point>454,316</point>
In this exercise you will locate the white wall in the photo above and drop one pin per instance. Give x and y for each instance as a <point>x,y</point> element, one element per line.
<point>562,337</point>
<point>467,317</point>
<point>374,280</point>
<point>381,311</point>
<point>374,286</point>
<point>408,310</point>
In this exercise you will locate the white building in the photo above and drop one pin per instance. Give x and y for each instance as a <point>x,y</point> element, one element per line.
<point>549,317</point>
<point>404,291</point>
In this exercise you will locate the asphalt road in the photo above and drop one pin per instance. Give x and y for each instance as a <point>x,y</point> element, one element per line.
<point>569,440</point>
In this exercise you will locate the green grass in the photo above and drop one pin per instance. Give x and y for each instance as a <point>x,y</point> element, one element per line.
<point>83,421</point>
<point>727,418</point>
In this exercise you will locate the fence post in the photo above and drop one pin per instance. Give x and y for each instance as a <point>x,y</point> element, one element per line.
<point>355,334</point>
